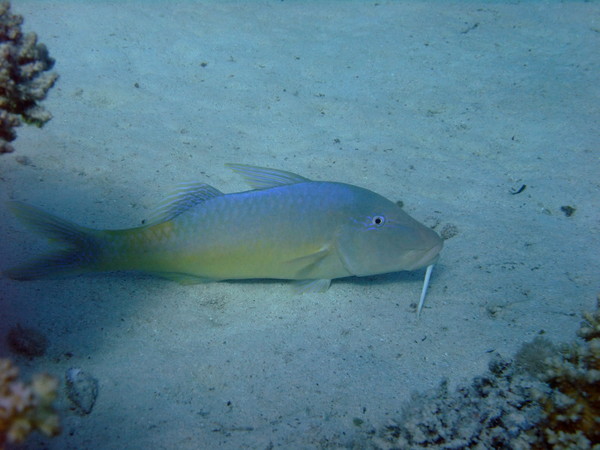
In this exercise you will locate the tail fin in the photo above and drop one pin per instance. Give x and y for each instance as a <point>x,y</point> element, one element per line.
<point>80,252</point>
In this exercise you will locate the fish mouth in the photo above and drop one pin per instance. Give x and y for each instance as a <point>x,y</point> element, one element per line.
<point>429,257</point>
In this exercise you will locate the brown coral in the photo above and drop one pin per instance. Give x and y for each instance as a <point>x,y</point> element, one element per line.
<point>25,407</point>
<point>590,329</point>
<point>573,408</point>
<point>548,398</point>
<point>24,77</point>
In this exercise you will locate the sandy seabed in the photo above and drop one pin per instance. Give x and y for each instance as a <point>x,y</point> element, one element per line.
<point>448,107</point>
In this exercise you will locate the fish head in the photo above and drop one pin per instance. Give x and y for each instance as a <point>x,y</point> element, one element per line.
<point>379,237</point>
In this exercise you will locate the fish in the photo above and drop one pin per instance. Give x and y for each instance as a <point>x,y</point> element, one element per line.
<point>286,227</point>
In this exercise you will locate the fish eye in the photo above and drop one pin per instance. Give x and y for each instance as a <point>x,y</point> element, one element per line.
<point>378,221</point>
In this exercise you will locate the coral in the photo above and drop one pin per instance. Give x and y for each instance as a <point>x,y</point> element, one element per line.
<point>25,407</point>
<point>548,397</point>
<point>496,410</point>
<point>24,77</point>
<point>590,329</point>
<point>572,408</point>
<point>531,357</point>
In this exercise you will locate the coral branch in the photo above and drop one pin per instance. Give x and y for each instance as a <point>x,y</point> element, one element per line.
<point>25,407</point>
<point>24,77</point>
<point>547,398</point>
<point>573,407</point>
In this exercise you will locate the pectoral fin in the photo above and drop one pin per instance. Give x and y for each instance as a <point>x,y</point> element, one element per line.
<point>308,264</point>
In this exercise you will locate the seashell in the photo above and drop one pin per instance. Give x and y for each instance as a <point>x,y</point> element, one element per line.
<point>82,390</point>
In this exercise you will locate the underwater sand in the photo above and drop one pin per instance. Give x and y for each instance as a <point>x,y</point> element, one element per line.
<point>448,107</point>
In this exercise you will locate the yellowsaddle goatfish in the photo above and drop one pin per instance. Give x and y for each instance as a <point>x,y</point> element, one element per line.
<point>286,227</point>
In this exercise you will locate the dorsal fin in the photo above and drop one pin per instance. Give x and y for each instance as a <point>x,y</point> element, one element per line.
<point>186,196</point>
<point>264,178</point>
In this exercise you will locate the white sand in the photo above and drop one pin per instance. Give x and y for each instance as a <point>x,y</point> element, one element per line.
<point>445,106</point>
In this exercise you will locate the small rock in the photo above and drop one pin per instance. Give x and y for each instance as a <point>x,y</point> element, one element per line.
<point>449,231</point>
<point>23,160</point>
<point>568,210</point>
<point>27,341</point>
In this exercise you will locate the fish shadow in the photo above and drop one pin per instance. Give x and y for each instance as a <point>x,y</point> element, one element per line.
<point>384,279</point>
<point>381,279</point>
